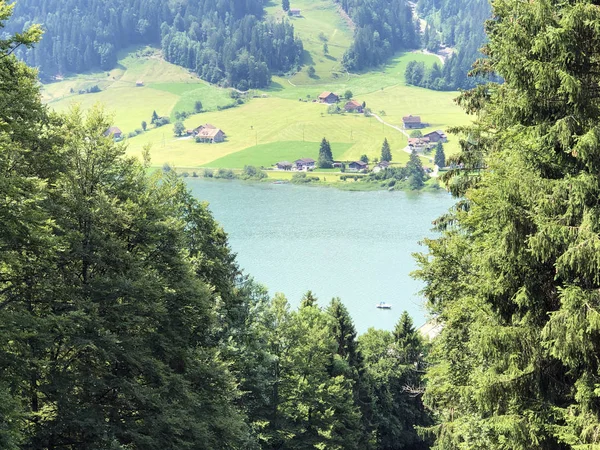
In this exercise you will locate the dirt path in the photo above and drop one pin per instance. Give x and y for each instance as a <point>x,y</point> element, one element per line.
<point>397,128</point>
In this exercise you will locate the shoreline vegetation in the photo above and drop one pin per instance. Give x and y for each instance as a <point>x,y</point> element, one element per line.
<point>337,180</point>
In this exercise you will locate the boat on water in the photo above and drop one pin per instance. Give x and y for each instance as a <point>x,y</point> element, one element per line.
<point>383,305</point>
<point>280,182</point>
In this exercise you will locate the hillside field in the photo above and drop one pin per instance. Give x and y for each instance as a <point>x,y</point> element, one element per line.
<point>278,123</point>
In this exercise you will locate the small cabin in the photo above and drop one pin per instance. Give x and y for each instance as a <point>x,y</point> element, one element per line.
<point>115,132</point>
<point>294,12</point>
<point>412,122</point>
<point>328,97</point>
<point>358,166</point>
<point>437,136</point>
<point>139,83</point>
<point>353,106</point>
<point>210,136</point>
<point>305,164</point>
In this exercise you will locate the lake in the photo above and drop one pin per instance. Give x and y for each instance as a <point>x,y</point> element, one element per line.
<point>352,245</point>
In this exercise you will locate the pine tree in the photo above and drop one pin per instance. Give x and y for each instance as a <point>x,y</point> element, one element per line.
<point>440,157</point>
<point>414,170</point>
<point>386,153</point>
<point>285,5</point>
<point>325,160</point>
<point>514,279</point>
<point>154,117</point>
<point>308,299</point>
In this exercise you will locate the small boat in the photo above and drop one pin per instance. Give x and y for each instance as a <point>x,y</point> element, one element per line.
<point>384,305</point>
<point>280,182</point>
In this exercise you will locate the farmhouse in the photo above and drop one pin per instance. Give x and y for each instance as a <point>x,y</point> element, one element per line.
<point>383,165</point>
<point>205,126</point>
<point>412,122</point>
<point>305,164</point>
<point>115,132</point>
<point>284,165</point>
<point>437,136</point>
<point>353,106</point>
<point>357,166</point>
<point>210,135</point>
<point>328,97</point>
<point>419,143</point>
<point>295,12</point>
<point>139,83</point>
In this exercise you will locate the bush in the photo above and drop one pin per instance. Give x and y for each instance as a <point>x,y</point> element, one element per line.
<point>194,175</point>
<point>225,173</point>
<point>252,173</point>
<point>300,178</point>
<point>207,173</point>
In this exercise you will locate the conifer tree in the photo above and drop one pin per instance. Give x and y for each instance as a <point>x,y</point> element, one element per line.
<point>386,153</point>
<point>154,117</point>
<point>514,278</point>
<point>440,157</point>
<point>325,160</point>
<point>285,5</point>
<point>415,172</point>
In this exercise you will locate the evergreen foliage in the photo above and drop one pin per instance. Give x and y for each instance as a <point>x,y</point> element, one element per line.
<point>440,157</point>
<point>223,42</point>
<point>386,153</point>
<point>383,27</point>
<point>514,278</point>
<point>325,160</point>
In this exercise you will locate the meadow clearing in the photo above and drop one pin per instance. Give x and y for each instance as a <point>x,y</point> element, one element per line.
<point>278,123</point>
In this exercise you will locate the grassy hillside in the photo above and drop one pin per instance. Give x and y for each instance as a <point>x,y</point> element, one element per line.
<point>274,125</point>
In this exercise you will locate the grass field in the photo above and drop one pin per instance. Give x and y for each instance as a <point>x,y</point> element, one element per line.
<point>266,130</point>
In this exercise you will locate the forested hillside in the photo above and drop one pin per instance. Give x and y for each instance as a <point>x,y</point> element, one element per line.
<point>224,42</point>
<point>383,27</point>
<point>125,322</point>
<point>458,24</point>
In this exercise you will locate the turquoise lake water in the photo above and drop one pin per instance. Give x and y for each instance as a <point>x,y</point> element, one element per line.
<point>353,245</point>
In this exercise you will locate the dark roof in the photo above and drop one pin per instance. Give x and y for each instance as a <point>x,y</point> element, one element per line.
<point>113,131</point>
<point>411,119</point>
<point>438,132</point>
<point>384,164</point>
<point>326,94</point>
<point>283,163</point>
<point>360,163</point>
<point>353,103</point>
<point>305,160</point>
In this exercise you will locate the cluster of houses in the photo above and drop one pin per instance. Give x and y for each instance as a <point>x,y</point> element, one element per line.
<point>208,134</point>
<point>330,98</point>
<point>307,164</point>
<point>428,140</point>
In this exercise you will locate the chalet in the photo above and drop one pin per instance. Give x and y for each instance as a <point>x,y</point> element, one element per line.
<point>353,106</point>
<point>412,122</point>
<point>358,166</point>
<point>328,97</point>
<point>139,83</point>
<point>284,165</point>
<point>115,132</point>
<point>437,136</point>
<point>305,164</point>
<point>383,165</point>
<point>337,165</point>
<point>419,143</point>
<point>202,127</point>
<point>210,135</point>
<point>295,12</point>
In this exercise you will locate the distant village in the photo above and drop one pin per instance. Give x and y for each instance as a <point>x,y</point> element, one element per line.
<point>210,134</point>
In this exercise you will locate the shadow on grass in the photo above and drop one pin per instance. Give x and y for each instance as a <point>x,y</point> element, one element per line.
<point>307,58</point>
<point>331,58</point>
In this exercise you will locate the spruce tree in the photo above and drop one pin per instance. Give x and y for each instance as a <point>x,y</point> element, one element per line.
<point>285,5</point>
<point>440,157</point>
<point>386,153</point>
<point>325,160</point>
<point>514,279</point>
<point>154,117</point>
<point>414,171</point>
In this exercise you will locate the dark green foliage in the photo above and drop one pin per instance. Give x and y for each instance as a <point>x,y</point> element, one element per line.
<point>383,28</point>
<point>285,5</point>
<point>440,157</point>
<point>178,128</point>
<point>416,134</point>
<point>414,170</point>
<point>311,71</point>
<point>198,106</point>
<point>325,160</point>
<point>252,173</point>
<point>364,158</point>
<point>154,117</point>
<point>144,125</point>
<point>348,95</point>
<point>386,153</point>
<point>224,42</point>
<point>514,278</point>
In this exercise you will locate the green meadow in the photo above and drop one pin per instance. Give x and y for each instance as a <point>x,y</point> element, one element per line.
<point>278,123</point>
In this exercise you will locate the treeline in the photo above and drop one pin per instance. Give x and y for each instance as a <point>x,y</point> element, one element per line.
<point>383,27</point>
<point>224,42</point>
<point>127,324</point>
<point>458,24</point>
<point>241,52</point>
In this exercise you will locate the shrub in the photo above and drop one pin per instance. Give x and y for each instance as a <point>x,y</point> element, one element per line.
<point>207,173</point>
